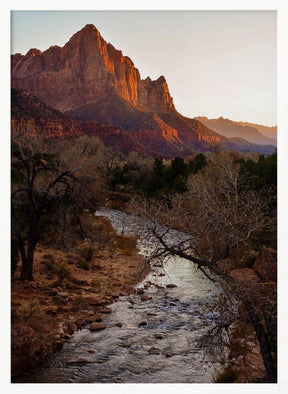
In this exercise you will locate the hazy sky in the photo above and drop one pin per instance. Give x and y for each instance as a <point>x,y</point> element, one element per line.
<point>216,63</point>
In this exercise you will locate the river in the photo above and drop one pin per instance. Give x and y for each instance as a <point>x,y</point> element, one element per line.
<point>158,341</point>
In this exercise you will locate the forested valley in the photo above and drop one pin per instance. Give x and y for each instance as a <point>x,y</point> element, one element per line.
<point>226,203</point>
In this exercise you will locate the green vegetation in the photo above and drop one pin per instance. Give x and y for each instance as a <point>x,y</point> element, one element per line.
<point>160,178</point>
<point>262,173</point>
<point>228,211</point>
<point>227,203</point>
<point>84,265</point>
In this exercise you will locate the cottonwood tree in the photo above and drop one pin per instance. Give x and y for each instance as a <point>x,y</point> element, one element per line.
<point>85,156</point>
<point>218,216</point>
<point>38,182</point>
<point>50,183</point>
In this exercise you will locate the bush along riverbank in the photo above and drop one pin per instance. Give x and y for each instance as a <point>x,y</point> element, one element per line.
<point>71,289</point>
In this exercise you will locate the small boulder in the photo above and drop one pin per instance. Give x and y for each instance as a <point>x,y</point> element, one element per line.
<point>84,306</point>
<point>72,327</point>
<point>95,326</point>
<point>266,264</point>
<point>106,310</point>
<point>81,323</point>
<point>52,310</point>
<point>115,294</point>
<point>62,294</point>
<point>142,324</point>
<point>170,285</point>
<point>144,297</point>
<point>154,350</point>
<point>96,318</point>
<point>53,291</point>
<point>78,361</point>
<point>95,301</point>
<point>66,336</point>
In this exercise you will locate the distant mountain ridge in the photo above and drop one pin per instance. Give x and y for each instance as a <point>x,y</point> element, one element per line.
<point>270,132</point>
<point>248,131</point>
<point>90,81</point>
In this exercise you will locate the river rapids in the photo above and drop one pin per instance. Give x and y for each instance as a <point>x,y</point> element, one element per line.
<point>160,338</point>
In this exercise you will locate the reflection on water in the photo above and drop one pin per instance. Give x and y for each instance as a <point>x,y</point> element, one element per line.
<point>157,340</point>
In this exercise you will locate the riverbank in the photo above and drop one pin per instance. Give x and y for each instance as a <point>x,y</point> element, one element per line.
<point>245,363</point>
<point>71,289</point>
<point>67,296</point>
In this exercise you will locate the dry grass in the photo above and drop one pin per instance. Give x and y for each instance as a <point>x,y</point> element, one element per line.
<point>32,315</point>
<point>39,308</point>
<point>229,375</point>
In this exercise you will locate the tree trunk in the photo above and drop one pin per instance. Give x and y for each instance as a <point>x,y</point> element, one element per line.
<point>27,271</point>
<point>27,259</point>
<point>27,267</point>
<point>265,348</point>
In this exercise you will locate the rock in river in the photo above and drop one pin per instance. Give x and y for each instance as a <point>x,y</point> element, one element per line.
<point>96,326</point>
<point>78,361</point>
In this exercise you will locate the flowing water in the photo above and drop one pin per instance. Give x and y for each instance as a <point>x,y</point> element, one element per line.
<point>158,341</point>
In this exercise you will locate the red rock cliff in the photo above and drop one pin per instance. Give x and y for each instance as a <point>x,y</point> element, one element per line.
<point>85,69</point>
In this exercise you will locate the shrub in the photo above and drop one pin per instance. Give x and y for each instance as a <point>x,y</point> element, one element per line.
<point>229,375</point>
<point>84,265</point>
<point>127,252</point>
<point>96,283</point>
<point>87,250</point>
<point>48,265</point>
<point>62,271</point>
<point>126,242</point>
<point>49,257</point>
<point>33,315</point>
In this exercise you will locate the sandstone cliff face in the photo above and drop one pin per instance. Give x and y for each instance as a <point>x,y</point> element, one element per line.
<point>85,69</point>
<point>31,117</point>
<point>89,80</point>
<point>46,128</point>
<point>155,95</point>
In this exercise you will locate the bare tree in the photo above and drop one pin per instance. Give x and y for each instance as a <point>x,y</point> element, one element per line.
<point>38,181</point>
<point>51,182</point>
<point>218,215</point>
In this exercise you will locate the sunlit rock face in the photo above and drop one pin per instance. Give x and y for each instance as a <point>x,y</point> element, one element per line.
<point>88,79</point>
<point>85,69</point>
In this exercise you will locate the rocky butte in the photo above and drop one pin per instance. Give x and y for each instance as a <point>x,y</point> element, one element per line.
<point>84,70</point>
<point>89,80</point>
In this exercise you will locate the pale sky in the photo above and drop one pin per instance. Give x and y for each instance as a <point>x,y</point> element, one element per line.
<point>216,63</point>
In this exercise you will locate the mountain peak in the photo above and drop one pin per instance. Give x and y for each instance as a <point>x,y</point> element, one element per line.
<point>89,28</point>
<point>85,69</point>
<point>87,32</point>
<point>33,52</point>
